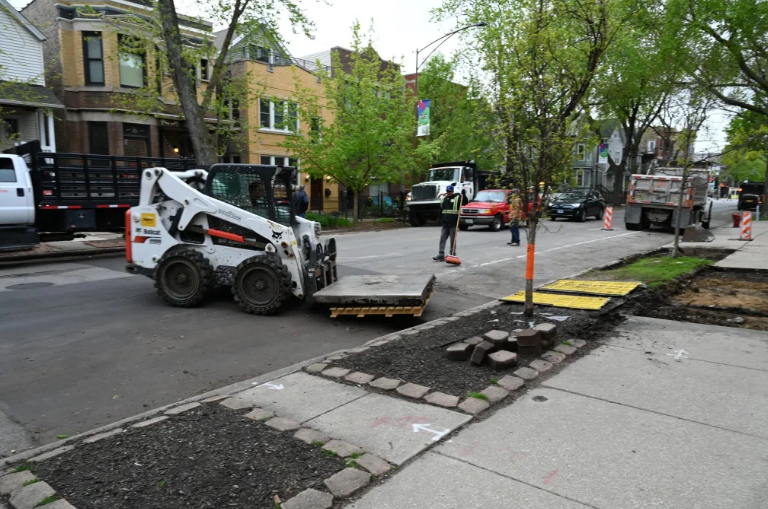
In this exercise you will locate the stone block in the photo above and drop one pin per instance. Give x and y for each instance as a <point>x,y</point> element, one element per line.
<point>59,504</point>
<point>494,393</point>
<point>527,373</point>
<point>236,403</point>
<point>459,351</point>
<point>384,383</point>
<point>150,422</point>
<point>497,337</point>
<point>52,454</point>
<point>12,482</point>
<point>28,497</point>
<point>474,405</point>
<point>529,351</point>
<point>359,377</point>
<point>553,357</point>
<point>502,359</point>
<point>481,350</point>
<point>348,481</point>
<point>311,436</point>
<point>335,372</point>
<point>474,340</point>
<point>565,349</point>
<point>181,409</point>
<point>578,343</point>
<point>547,344</point>
<point>309,499</point>
<point>282,424</point>
<point>259,414</point>
<point>315,368</point>
<point>540,365</point>
<point>528,337</point>
<point>342,448</point>
<point>511,383</point>
<point>373,464</point>
<point>442,399</point>
<point>102,436</point>
<point>412,390</point>
<point>548,330</point>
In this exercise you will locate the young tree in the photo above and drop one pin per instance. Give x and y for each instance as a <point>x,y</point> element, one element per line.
<point>363,128</point>
<point>745,155</point>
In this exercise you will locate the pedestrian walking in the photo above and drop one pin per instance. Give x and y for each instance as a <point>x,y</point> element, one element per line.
<point>515,216</point>
<point>450,206</point>
<point>301,202</point>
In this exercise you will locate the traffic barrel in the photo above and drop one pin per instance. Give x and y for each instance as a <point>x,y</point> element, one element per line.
<point>746,226</point>
<point>608,219</point>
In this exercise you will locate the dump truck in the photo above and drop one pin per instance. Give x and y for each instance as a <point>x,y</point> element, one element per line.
<point>423,202</point>
<point>235,225</point>
<point>653,199</point>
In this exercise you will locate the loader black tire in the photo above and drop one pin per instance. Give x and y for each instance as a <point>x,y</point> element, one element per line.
<point>262,285</point>
<point>183,278</point>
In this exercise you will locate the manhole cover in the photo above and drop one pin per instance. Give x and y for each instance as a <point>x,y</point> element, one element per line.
<point>28,286</point>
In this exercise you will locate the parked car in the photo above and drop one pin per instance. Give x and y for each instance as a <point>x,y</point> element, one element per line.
<point>577,205</point>
<point>750,201</point>
<point>489,208</point>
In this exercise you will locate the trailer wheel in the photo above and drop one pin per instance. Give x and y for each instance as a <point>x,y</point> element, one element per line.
<point>262,285</point>
<point>183,278</point>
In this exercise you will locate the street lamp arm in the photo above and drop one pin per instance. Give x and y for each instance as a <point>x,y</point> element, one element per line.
<point>443,39</point>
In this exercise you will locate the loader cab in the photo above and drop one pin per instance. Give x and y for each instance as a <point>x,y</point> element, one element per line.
<point>260,189</point>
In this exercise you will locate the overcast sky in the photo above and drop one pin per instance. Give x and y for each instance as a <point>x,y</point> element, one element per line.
<point>400,27</point>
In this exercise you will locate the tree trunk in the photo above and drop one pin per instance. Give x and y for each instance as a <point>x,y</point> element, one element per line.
<point>355,206</point>
<point>618,185</point>
<point>532,226</point>
<point>202,142</point>
<point>764,206</point>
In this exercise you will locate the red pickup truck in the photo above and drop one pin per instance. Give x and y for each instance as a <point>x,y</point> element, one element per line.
<point>489,208</point>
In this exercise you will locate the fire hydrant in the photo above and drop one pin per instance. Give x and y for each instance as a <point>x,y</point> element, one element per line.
<point>736,219</point>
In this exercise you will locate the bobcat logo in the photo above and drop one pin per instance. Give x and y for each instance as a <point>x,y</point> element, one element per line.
<point>277,235</point>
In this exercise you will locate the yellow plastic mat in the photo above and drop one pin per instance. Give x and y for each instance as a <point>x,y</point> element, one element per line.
<point>561,301</point>
<point>593,287</point>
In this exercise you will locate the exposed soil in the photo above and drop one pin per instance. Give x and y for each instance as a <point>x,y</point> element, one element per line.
<point>421,359</point>
<point>209,457</point>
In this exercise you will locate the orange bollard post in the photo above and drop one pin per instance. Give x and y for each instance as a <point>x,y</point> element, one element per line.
<point>608,219</point>
<point>746,226</point>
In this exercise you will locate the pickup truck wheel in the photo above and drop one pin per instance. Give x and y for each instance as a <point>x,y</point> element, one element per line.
<point>463,227</point>
<point>262,285</point>
<point>496,224</point>
<point>183,278</point>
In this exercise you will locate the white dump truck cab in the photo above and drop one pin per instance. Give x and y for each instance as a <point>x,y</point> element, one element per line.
<point>423,202</point>
<point>17,204</point>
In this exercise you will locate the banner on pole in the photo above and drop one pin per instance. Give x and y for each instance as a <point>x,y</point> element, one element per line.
<point>422,117</point>
<point>603,153</point>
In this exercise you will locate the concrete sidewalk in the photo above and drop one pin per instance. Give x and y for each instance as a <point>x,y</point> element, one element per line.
<point>92,244</point>
<point>666,414</point>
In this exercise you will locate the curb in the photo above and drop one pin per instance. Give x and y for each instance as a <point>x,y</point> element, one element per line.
<point>85,253</point>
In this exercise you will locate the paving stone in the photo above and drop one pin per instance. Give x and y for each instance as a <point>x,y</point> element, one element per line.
<point>102,436</point>
<point>59,504</point>
<point>213,399</point>
<point>359,378</point>
<point>384,383</point>
<point>474,340</point>
<point>336,358</point>
<point>547,344</point>
<point>335,372</point>
<point>481,351</point>
<point>12,482</point>
<point>311,436</point>
<point>511,383</point>
<point>516,332</point>
<point>373,464</point>
<point>442,399</point>
<point>316,368</point>
<point>540,365</point>
<point>510,344</point>
<point>529,351</point>
<point>348,481</point>
<point>502,359</point>
<point>459,351</point>
<point>526,373</point>
<point>144,424</point>
<point>553,357</point>
<point>494,393</point>
<point>181,409</point>
<point>342,448</point>
<point>259,414</point>
<point>474,405</point>
<point>414,391</point>
<point>236,403</point>
<point>309,499</point>
<point>52,454</point>
<point>282,424</point>
<point>30,496</point>
<point>566,349</point>
<point>497,337</point>
<point>548,330</point>
<point>528,337</point>
<point>578,343</point>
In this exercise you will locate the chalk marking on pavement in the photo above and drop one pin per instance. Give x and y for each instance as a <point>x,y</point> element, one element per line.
<point>423,427</point>
<point>274,387</point>
<point>679,355</point>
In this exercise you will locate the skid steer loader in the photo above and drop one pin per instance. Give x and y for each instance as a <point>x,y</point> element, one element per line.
<point>234,225</point>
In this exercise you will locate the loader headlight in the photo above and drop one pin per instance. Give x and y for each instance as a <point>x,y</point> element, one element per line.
<point>318,229</point>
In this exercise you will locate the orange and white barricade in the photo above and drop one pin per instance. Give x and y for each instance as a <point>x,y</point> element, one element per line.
<point>608,219</point>
<point>746,226</point>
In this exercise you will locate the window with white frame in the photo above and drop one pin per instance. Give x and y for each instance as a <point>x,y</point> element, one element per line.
<point>279,116</point>
<point>652,146</point>
<point>588,155</point>
<point>580,181</point>
<point>282,161</point>
<point>617,157</point>
<point>580,152</point>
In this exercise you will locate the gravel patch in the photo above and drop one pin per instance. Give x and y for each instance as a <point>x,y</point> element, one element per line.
<point>207,458</point>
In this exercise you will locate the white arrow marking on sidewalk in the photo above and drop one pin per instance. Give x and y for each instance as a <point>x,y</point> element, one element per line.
<point>272,386</point>
<point>679,355</point>
<point>423,427</point>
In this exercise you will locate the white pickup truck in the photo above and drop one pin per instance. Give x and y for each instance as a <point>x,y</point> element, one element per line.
<point>17,204</point>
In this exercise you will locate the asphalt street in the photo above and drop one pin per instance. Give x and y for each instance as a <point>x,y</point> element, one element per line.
<point>83,344</point>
